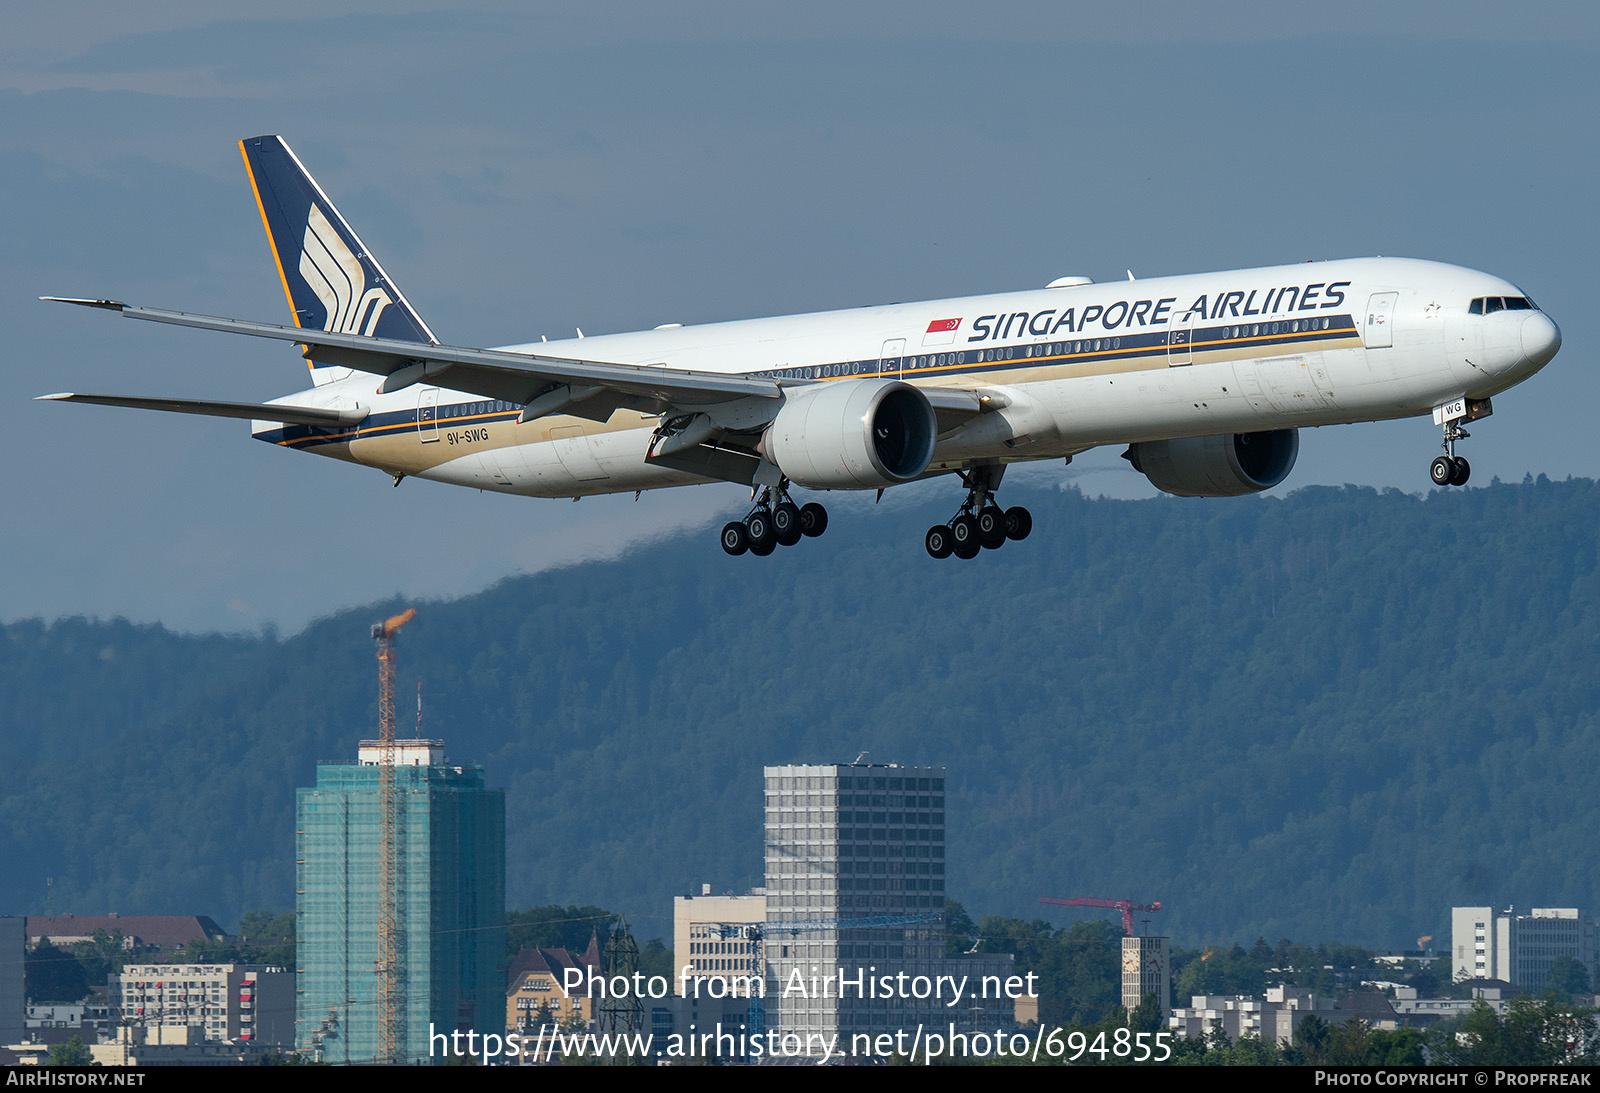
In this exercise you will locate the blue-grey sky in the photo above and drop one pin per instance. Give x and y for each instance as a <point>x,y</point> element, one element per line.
<point>527,169</point>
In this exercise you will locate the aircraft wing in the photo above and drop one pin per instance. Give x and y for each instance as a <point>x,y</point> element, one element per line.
<point>512,377</point>
<point>250,411</point>
<point>540,383</point>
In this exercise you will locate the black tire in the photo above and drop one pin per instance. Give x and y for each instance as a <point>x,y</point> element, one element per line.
<point>938,541</point>
<point>1463,471</point>
<point>758,526</point>
<point>991,527</point>
<point>963,530</point>
<point>1019,522</point>
<point>813,519</point>
<point>735,540</point>
<point>969,549</point>
<point>786,523</point>
<point>1442,470</point>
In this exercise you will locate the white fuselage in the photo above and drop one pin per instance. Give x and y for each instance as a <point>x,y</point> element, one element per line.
<point>1070,368</point>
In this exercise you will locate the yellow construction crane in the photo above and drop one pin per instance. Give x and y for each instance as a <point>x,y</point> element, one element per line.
<point>391,985</point>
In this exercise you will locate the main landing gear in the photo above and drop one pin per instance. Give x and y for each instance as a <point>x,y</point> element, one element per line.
<point>1451,469</point>
<point>980,523</point>
<point>774,521</point>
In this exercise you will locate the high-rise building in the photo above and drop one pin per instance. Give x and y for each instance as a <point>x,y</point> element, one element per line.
<point>449,847</point>
<point>13,1003</point>
<point>1480,944</point>
<point>1521,949</point>
<point>1146,970</point>
<point>853,841</point>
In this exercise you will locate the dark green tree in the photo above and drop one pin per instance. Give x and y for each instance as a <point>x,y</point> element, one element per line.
<point>1349,1043</point>
<point>71,1053</point>
<point>1431,979</point>
<point>656,959</point>
<point>1147,1016</point>
<point>1311,1039</point>
<point>1218,1051</point>
<point>53,975</point>
<point>267,938</point>
<point>958,928</point>
<point>1397,1047</point>
<point>1078,968</point>
<point>1534,1032</point>
<point>1568,976</point>
<point>101,955</point>
<point>555,927</point>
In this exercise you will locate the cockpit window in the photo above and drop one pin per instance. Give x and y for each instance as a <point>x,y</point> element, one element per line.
<point>1488,305</point>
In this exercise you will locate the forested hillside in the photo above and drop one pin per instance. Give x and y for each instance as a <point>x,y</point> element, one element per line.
<point>1327,715</point>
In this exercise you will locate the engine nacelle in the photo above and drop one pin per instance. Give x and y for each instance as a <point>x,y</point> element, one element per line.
<point>852,435</point>
<point>1217,466</point>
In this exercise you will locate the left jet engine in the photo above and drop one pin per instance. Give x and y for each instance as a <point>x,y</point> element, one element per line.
<point>858,434</point>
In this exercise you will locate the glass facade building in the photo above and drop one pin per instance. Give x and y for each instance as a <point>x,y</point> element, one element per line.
<point>450,853</point>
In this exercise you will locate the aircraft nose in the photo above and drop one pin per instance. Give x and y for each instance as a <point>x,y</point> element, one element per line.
<point>1541,337</point>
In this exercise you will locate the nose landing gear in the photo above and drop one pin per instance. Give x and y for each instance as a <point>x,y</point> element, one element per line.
<point>979,524</point>
<point>1451,469</point>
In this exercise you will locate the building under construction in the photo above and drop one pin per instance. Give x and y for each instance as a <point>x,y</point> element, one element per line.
<point>401,900</point>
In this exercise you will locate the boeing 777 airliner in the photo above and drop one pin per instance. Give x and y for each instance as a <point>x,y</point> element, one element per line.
<point>1205,378</point>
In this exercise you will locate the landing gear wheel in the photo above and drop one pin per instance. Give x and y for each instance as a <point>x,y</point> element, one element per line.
<point>991,527</point>
<point>963,530</point>
<point>813,519</point>
<point>1019,521</point>
<point>938,541</point>
<point>758,527</point>
<point>786,523</point>
<point>1463,471</point>
<point>964,537</point>
<point>1442,470</point>
<point>735,540</point>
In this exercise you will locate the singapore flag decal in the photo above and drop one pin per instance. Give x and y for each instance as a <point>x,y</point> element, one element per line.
<point>941,332</point>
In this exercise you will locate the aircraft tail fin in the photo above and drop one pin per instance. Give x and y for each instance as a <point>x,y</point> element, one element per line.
<point>332,280</point>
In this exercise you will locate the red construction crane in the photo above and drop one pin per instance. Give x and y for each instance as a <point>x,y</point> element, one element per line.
<point>1126,906</point>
